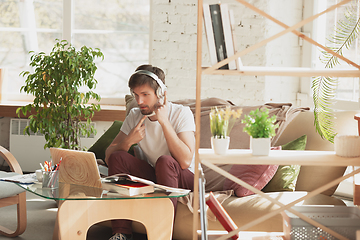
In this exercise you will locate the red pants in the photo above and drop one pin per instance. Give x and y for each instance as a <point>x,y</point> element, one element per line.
<point>167,172</point>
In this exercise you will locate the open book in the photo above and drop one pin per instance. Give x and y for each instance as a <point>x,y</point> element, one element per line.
<point>127,177</point>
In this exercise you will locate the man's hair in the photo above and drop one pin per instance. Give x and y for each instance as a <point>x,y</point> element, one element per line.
<point>138,79</point>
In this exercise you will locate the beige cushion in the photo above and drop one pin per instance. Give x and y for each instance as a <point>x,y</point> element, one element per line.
<point>215,181</point>
<point>344,123</point>
<point>311,178</point>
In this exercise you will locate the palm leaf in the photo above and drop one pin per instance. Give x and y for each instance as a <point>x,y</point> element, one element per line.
<point>324,88</point>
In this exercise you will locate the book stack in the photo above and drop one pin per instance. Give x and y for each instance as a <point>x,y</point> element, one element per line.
<point>128,187</point>
<point>219,24</point>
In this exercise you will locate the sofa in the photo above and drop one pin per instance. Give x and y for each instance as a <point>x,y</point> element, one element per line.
<point>294,124</point>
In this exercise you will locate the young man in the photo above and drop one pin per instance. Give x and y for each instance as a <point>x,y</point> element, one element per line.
<point>164,132</point>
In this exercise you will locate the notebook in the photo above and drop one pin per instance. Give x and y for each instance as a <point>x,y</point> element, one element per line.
<point>77,167</point>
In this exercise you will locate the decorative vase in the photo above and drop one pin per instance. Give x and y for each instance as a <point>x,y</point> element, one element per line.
<point>260,146</point>
<point>347,145</point>
<point>220,145</point>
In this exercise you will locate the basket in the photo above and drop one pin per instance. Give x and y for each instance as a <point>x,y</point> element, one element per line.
<point>341,219</point>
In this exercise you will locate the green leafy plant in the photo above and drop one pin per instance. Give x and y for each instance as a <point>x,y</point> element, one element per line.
<point>258,124</point>
<point>324,88</point>
<point>59,110</point>
<point>222,121</point>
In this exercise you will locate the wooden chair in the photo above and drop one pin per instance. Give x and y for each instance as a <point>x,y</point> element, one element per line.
<point>9,198</point>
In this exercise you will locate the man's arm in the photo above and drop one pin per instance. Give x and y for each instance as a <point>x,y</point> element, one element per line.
<point>182,145</point>
<point>123,142</point>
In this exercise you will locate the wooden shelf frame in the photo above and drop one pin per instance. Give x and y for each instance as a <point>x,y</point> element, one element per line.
<point>301,72</point>
<point>304,158</point>
<point>286,71</point>
<point>255,71</point>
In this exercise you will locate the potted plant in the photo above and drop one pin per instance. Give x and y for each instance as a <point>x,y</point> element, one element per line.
<point>260,128</point>
<point>221,123</point>
<point>60,110</point>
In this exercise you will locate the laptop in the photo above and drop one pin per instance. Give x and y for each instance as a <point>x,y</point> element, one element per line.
<point>77,167</point>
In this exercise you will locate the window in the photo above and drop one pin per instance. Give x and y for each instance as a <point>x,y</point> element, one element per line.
<point>119,28</point>
<point>347,94</point>
<point>22,30</point>
<point>348,88</point>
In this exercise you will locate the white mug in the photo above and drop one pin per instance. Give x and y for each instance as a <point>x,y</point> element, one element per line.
<point>39,175</point>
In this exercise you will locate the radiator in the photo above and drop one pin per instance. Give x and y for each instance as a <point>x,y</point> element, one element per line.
<point>29,150</point>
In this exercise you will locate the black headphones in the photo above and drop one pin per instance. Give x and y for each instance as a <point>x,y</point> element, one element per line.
<point>161,90</point>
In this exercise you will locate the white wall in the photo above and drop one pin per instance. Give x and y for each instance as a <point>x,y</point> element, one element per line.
<point>284,51</point>
<point>174,50</point>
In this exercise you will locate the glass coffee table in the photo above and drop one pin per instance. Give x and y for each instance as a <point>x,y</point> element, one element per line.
<point>80,207</point>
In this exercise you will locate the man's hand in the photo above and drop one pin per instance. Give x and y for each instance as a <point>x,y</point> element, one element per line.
<point>138,132</point>
<point>123,142</point>
<point>162,111</point>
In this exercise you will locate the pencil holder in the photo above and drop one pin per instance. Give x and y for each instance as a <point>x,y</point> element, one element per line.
<point>50,179</point>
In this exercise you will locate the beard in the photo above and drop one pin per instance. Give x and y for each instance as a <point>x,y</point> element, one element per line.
<point>146,110</point>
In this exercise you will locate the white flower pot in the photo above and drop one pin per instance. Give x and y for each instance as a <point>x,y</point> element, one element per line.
<point>220,145</point>
<point>260,146</point>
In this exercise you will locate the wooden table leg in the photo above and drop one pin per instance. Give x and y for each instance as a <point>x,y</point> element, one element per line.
<point>357,187</point>
<point>75,217</point>
<point>356,194</point>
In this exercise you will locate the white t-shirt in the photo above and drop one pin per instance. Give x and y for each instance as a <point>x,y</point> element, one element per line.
<point>154,143</point>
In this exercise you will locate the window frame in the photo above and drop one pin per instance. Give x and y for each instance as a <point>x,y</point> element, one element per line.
<point>310,55</point>
<point>68,32</point>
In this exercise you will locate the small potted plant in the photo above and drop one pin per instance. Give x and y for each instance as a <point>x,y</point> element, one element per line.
<point>221,123</point>
<point>261,128</point>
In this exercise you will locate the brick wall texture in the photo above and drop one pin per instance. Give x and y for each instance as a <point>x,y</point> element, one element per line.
<point>173,48</point>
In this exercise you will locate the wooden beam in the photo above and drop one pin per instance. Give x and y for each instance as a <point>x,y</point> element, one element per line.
<point>287,71</point>
<point>1,82</point>
<point>299,34</point>
<point>197,118</point>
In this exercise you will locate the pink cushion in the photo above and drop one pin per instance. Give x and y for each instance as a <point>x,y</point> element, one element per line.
<point>255,175</point>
